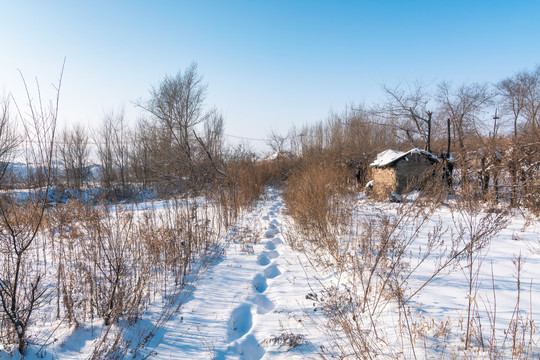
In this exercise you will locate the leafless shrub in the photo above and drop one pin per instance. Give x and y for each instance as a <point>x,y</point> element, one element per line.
<point>287,339</point>
<point>521,329</point>
<point>377,255</point>
<point>475,229</point>
<point>74,151</point>
<point>112,261</point>
<point>312,193</point>
<point>21,291</point>
<point>244,184</point>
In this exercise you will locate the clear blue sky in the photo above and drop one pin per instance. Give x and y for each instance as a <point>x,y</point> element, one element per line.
<point>268,64</point>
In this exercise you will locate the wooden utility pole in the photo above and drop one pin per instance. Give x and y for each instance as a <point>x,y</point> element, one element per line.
<point>449,137</point>
<point>428,121</point>
<point>495,118</point>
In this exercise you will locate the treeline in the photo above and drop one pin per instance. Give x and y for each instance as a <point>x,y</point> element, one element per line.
<point>489,132</point>
<point>175,149</point>
<point>492,132</point>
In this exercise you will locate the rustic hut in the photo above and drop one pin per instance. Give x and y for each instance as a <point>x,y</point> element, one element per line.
<point>394,171</point>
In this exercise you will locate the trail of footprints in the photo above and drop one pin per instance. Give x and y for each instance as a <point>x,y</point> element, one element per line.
<point>241,320</point>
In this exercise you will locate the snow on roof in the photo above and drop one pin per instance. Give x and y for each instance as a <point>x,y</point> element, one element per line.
<point>388,157</point>
<point>278,154</point>
<point>274,156</point>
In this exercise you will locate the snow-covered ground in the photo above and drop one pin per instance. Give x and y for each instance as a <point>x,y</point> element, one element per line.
<point>504,291</point>
<point>258,300</point>
<point>248,304</point>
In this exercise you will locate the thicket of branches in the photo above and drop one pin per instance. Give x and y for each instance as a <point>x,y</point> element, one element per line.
<point>67,246</point>
<point>178,146</point>
<point>492,133</point>
<point>68,179</point>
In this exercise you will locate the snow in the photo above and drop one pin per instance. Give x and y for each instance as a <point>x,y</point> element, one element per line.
<point>396,196</point>
<point>279,154</point>
<point>245,300</point>
<point>272,156</point>
<point>258,299</point>
<point>369,185</point>
<point>387,157</point>
<point>442,304</point>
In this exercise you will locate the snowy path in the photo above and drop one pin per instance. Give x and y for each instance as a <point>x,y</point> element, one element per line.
<point>255,294</point>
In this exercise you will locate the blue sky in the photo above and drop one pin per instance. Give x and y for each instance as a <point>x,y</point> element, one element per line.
<point>268,64</point>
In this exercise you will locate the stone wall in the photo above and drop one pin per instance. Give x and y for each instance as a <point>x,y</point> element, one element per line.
<point>384,182</point>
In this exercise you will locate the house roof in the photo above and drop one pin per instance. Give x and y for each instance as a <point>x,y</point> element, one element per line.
<point>278,154</point>
<point>388,157</point>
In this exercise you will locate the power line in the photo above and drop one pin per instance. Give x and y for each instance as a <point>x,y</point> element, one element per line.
<point>244,138</point>
<point>95,142</point>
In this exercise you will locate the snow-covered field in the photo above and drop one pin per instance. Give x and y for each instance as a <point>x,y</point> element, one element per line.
<point>260,298</point>
<point>495,291</point>
<point>500,280</point>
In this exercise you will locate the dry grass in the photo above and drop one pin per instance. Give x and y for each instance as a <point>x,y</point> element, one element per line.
<point>311,194</point>
<point>110,262</point>
<point>245,183</point>
<point>372,257</point>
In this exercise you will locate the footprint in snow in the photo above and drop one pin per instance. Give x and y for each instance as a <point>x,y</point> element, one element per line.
<point>270,245</point>
<point>240,322</point>
<point>271,254</point>
<point>271,272</point>
<point>277,241</point>
<point>263,260</point>
<point>249,348</point>
<point>259,283</point>
<point>264,304</point>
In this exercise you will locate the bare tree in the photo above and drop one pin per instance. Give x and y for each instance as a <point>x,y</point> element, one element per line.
<point>74,151</point>
<point>463,106</point>
<point>513,93</point>
<point>104,141</point>
<point>212,145</point>
<point>520,95</point>
<point>21,219</point>
<point>277,142</point>
<point>142,156</point>
<point>9,140</point>
<point>410,112</point>
<point>532,102</point>
<point>112,139</point>
<point>120,136</point>
<point>213,135</point>
<point>178,105</point>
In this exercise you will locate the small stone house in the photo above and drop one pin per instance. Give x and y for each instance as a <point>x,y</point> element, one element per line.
<point>395,171</point>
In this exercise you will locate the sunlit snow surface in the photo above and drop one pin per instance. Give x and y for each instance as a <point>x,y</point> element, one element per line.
<point>253,294</point>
